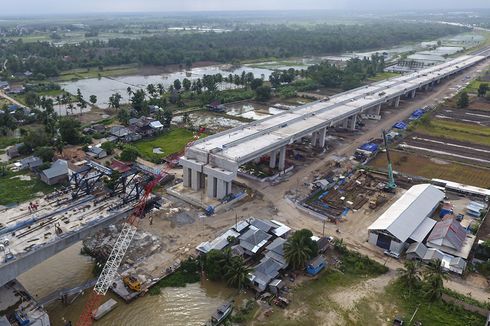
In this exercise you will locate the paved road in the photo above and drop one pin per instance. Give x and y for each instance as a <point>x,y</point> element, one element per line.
<point>298,219</point>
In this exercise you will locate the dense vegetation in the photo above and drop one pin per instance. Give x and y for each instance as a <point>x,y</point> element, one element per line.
<point>46,59</point>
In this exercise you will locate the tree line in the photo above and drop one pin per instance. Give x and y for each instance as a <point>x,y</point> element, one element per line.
<point>281,41</point>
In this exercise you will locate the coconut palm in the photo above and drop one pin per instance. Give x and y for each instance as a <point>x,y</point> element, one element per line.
<point>410,274</point>
<point>236,272</point>
<point>434,280</point>
<point>297,252</point>
<point>226,258</point>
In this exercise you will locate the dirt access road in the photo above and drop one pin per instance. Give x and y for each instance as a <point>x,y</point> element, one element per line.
<point>354,234</point>
<point>14,101</point>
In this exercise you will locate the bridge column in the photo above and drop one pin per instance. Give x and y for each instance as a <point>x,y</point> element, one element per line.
<point>192,173</point>
<point>212,185</point>
<point>196,180</point>
<point>186,176</point>
<point>376,110</point>
<point>219,181</point>
<point>426,88</point>
<point>282,158</point>
<point>397,102</point>
<point>321,140</point>
<point>314,138</point>
<point>345,123</point>
<point>273,159</point>
<point>223,188</point>
<point>352,122</point>
<point>412,94</point>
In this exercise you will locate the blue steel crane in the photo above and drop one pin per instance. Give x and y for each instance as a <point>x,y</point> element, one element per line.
<point>390,185</point>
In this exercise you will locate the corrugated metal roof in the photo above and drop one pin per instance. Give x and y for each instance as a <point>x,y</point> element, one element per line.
<point>408,212</point>
<point>450,230</point>
<point>60,167</point>
<point>422,230</point>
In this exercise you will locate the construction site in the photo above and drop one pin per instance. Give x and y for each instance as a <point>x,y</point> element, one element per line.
<point>139,222</point>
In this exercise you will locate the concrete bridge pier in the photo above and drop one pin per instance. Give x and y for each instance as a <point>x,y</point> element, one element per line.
<point>314,138</point>
<point>193,174</point>
<point>218,181</point>
<point>282,158</point>
<point>397,102</point>
<point>376,110</point>
<point>351,122</point>
<point>412,94</point>
<point>426,87</point>
<point>273,159</point>
<point>322,137</point>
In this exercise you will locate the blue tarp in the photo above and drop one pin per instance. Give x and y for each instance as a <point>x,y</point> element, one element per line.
<point>417,114</point>
<point>400,125</point>
<point>369,147</point>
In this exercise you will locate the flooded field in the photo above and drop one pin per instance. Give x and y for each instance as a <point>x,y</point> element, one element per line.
<point>191,305</point>
<point>104,87</point>
<point>239,113</point>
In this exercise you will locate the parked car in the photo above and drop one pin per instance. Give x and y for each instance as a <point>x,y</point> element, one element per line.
<point>392,254</point>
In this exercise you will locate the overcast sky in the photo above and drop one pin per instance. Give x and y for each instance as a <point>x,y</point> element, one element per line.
<point>29,7</point>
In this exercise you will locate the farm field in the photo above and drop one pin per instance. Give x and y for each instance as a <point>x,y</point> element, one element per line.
<point>456,130</point>
<point>419,165</point>
<point>94,73</point>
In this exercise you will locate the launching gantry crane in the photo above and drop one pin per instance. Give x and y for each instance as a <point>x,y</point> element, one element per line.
<point>122,243</point>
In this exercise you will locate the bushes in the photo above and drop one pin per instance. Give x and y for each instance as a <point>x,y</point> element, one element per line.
<point>129,154</point>
<point>356,263</point>
<point>187,273</point>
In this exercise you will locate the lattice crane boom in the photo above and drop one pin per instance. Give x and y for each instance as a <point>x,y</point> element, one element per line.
<point>122,243</point>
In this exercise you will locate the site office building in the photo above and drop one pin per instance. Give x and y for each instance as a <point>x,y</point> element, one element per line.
<point>407,220</point>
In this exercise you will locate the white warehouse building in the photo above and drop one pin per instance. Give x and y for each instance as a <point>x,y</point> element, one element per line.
<point>407,220</point>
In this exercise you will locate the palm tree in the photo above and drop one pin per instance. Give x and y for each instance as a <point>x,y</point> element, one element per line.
<point>410,274</point>
<point>161,88</point>
<point>227,256</point>
<point>70,107</point>
<point>297,252</point>
<point>151,89</point>
<point>236,272</point>
<point>434,280</point>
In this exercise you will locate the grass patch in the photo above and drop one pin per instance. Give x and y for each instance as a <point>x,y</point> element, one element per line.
<point>15,190</point>
<point>456,130</point>
<point>418,165</point>
<point>51,93</point>
<point>6,141</point>
<point>170,142</point>
<point>429,313</point>
<point>383,75</point>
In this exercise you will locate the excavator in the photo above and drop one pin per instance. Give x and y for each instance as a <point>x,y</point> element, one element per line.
<point>123,241</point>
<point>132,283</point>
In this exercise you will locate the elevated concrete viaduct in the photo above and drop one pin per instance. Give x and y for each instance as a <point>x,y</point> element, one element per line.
<point>216,158</point>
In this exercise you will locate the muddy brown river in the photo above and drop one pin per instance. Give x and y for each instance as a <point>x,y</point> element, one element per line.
<point>190,305</point>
